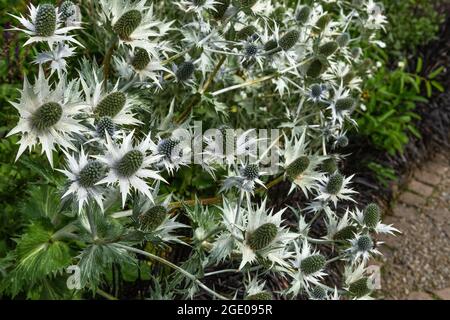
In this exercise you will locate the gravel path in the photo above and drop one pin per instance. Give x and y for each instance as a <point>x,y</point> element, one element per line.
<point>416,264</point>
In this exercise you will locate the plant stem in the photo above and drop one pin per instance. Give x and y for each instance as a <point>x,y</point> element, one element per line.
<point>335,259</point>
<point>271,184</point>
<point>105,295</point>
<point>206,201</point>
<point>174,266</point>
<point>107,61</point>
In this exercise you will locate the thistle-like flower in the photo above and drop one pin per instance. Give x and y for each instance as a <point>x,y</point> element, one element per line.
<point>370,218</point>
<point>334,188</point>
<point>134,23</point>
<point>306,269</point>
<point>300,167</point>
<point>153,218</point>
<point>363,247</point>
<point>265,237</point>
<point>358,283</point>
<point>198,6</point>
<point>83,174</point>
<point>45,25</point>
<point>113,104</point>
<point>129,166</point>
<point>47,115</point>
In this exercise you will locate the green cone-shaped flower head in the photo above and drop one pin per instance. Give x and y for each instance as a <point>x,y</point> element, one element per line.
<point>92,173</point>
<point>153,218</point>
<point>364,243</point>
<point>329,165</point>
<point>270,45</point>
<point>262,236</point>
<point>140,59</point>
<point>360,287</point>
<point>349,76</point>
<point>127,23</point>
<point>130,163</point>
<point>111,105</point>
<point>185,71</point>
<point>289,39</point>
<point>246,32</point>
<point>313,264</point>
<point>263,295</point>
<point>372,215</point>
<point>345,233</point>
<point>335,183</point>
<point>316,68</point>
<point>345,103</point>
<point>297,167</point>
<point>319,293</point>
<point>303,14</point>
<point>45,23</point>
<point>323,21</point>
<point>46,116</point>
<point>327,49</point>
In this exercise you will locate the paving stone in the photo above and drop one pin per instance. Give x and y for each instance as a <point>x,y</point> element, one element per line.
<point>420,188</point>
<point>402,211</point>
<point>419,296</point>
<point>411,199</point>
<point>440,215</point>
<point>427,177</point>
<point>443,294</point>
<point>436,167</point>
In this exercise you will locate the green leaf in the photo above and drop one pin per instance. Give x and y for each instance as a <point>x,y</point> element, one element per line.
<point>436,72</point>
<point>437,85</point>
<point>419,65</point>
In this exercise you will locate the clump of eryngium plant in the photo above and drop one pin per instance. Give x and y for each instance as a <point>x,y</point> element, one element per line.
<point>134,73</point>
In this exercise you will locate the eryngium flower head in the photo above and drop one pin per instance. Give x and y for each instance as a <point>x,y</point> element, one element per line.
<point>140,59</point>
<point>263,295</point>
<point>313,264</point>
<point>270,45</point>
<point>250,50</point>
<point>289,39</point>
<point>46,116</point>
<point>185,71</point>
<point>250,172</point>
<point>66,10</point>
<point>323,22</point>
<point>246,32</point>
<point>130,163</point>
<point>343,39</point>
<point>356,53</point>
<point>167,146</point>
<point>91,173</point>
<point>127,23</point>
<point>45,23</point>
<point>111,105</point>
<point>315,68</point>
<point>364,243</point>
<point>342,141</point>
<point>105,124</point>
<point>334,184</point>
<point>303,14</point>
<point>360,287</point>
<point>316,91</point>
<point>297,167</point>
<point>327,49</point>
<point>262,236</point>
<point>318,293</point>
<point>153,218</point>
<point>329,165</point>
<point>372,215</point>
<point>345,103</point>
<point>345,234</point>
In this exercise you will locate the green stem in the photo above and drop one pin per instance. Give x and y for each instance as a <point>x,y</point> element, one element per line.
<point>173,266</point>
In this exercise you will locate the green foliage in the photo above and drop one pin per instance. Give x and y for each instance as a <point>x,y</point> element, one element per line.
<point>390,99</point>
<point>412,23</point>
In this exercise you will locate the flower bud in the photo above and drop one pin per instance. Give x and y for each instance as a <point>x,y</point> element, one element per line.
<point>289,39</point>
<point>372,215</point>
<point>153,218</point>
<point>185,71</point>
<point>127,23</point>
<point>45,22</point>
<point>111,105</point>
<point>328,48</point>
<point>335,183</point>
<point>46,116</point>
<point>263,295</point>
<point>262,236</point>
<point>364,243</point>
<point>297,167</point>
<point>130,163</point>
<point>92,173</point>
<point>313,264</point>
